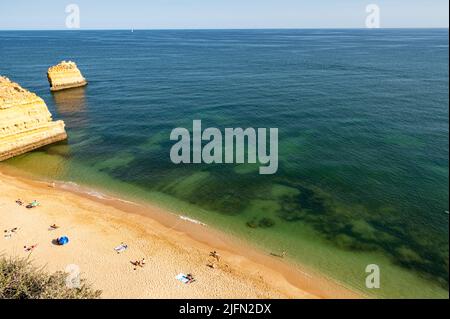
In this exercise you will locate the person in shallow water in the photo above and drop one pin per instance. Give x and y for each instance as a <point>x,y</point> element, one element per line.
<point>282,255</point>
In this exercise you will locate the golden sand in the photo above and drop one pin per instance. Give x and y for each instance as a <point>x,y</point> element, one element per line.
<point>169,245</point>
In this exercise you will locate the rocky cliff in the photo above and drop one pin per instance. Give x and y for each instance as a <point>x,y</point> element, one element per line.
<point>65,75</point>
<point>25,121</point>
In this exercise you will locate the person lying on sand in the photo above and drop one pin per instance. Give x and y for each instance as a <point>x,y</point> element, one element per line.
<point>54,226</point>
<point>190,278</point>
<point>186,279</point>
<point>10,232</point>
<point>215,255</point>
<point>138,263</point>
<point>211,265</point>
<point>121,248</point>
<point>19,202</point>
<point>30,248</point>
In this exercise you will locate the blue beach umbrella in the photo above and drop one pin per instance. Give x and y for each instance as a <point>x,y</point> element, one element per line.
<point>63,240</point>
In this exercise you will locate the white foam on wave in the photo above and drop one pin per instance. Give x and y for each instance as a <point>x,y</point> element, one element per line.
<point>72,186</point>
<point>97,194</point>
<point>127,201</point>
<point>192,220</point>
<point>68,185</point>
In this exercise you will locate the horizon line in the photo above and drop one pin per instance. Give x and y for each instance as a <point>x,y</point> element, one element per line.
<point>224,29</point>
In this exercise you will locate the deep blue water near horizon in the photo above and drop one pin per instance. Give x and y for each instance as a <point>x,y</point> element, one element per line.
<point>362,117</point>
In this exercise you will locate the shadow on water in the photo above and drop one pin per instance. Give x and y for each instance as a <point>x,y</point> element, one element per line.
<point>72,105</point>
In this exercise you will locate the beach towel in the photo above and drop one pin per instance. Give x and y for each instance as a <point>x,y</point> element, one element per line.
<point>121,248</point>
<point>33,204</point>
<point>183,278</point>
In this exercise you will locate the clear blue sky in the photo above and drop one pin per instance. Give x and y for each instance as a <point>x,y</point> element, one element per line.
<point>180,14</point>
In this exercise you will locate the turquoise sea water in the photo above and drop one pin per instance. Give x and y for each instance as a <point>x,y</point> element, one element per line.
<point>363,149</point>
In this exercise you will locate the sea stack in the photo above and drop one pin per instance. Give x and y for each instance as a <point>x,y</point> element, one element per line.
<point>65,75</point>
<point>25,121</point>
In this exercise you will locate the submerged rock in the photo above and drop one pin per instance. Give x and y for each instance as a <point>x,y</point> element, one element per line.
<point>25,121</point>
<point>65,75</point>
<point>264,222</point>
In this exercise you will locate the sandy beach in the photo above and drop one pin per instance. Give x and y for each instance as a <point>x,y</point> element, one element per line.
<point>169,245</point>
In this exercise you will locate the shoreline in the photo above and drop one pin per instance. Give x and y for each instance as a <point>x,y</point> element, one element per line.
<point>243,272</point>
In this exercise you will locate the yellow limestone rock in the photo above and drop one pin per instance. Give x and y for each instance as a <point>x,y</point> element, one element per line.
<point>25,121</point>
<point>65,75</point>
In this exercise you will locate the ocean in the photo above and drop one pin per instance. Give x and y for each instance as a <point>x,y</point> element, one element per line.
<point>363,120</point>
